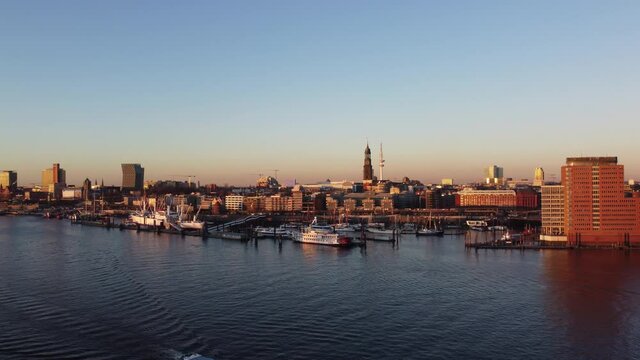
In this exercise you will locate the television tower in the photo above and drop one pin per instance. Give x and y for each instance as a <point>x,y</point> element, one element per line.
<point>381,164</point>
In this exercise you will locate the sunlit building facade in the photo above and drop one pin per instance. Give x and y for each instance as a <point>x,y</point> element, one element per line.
<point>8,180</point>
<point>596,209</point>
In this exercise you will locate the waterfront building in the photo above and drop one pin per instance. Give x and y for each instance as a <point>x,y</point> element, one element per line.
<point>132,177</point>
<point>278,203</point>
<point>553,214</point>
<point>331,204</point>
<point>234,202</point>
<point>318,202</point>
<point>439,198</point>
<point>432,198</point>
<point>350,204</point>
<point>330,186</point>
<point>527,198</point>
<point>9,180</point>
<point>368,204</point>
<point>71,193</point>
<point>538,177</point>
<point>254,204</point>
<point>387,205</point>
<point>491,198</point>
<point>367,175</point>
<point>298,199</point>
<point>494,175</point>
<point>597,211</point>
<point>446,182</point>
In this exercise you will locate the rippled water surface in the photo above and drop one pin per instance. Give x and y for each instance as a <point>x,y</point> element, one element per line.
<point>72,292</point>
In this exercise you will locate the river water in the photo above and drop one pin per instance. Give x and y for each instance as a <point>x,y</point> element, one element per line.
<point>73,292</point>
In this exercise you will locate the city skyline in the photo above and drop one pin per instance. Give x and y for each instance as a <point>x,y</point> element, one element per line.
<point>225,91</point>
<point>111,178</point>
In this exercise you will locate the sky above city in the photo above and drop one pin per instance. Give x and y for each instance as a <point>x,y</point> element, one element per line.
<point>225,90</point>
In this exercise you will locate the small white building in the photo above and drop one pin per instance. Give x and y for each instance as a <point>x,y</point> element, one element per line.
<point>234,202</point>
<point>71,194</point>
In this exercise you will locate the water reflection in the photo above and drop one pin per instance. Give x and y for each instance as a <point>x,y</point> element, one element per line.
<point>595,297</point>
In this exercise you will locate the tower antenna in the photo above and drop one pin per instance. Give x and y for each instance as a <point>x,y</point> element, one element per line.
<point>381,164</point>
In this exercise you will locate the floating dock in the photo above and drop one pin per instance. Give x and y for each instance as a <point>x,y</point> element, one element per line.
<point>141,228</point>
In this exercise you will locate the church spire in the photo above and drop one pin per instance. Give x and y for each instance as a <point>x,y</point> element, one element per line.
<point>367,173</point>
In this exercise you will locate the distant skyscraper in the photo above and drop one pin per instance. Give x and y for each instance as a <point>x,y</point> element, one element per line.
<point>447,182</point>
<point>494,175</point>
<point>53,176</point>
<point>538,177</point>
<point>368,168</point>
<point>132,177</point>
<point>8,180</point>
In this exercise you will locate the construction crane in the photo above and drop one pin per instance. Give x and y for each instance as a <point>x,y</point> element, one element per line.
<point>276,173</point>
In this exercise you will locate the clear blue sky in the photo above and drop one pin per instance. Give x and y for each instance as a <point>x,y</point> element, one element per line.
<point>226,89</point>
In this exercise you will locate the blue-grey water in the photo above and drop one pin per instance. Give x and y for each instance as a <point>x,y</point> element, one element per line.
<point>73,292</point>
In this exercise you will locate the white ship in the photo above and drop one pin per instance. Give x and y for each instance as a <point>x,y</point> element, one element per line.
<point>478,225</point>
<point>150,217</point>
<point>193,224</point>
<point>280,231</point>
<point>322,236</point>
<point>347,229</point>
<point>430,232</point>
<point>378,234</point>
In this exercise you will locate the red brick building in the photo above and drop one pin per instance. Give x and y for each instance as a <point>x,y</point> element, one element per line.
<point>489,198</point>
<point>596,209</point>
<point>527,198</point>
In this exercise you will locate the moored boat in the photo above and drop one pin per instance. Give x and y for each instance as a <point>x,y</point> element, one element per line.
<point>409,228</point>
<point>430,232</point>
<point>280,231</point>
<point>191,224</point>
<point>377,234</point>
<point>477,225</point>
<point>321,236</point>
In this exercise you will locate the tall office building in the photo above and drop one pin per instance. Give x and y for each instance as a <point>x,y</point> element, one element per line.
<point>8,180</point>
<point>54,176</point>
<point>553,213</point>
<point>368,168</point>
<point>538,177</point>
<point>132,177</point>
<point>494,175</point>
<point>596,209</point>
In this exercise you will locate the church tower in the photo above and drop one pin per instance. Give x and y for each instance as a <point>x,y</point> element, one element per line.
<point>368,169</point>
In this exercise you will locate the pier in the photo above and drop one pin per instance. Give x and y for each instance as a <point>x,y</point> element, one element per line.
<point>109,224</point>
